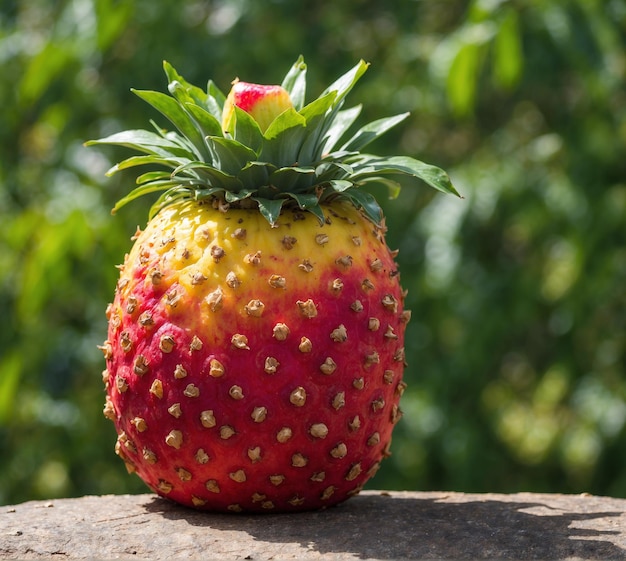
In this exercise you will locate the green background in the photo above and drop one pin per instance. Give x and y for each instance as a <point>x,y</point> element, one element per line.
<point>517,345</point>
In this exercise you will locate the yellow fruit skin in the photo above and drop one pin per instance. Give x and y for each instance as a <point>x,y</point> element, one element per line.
<point>221,293</point>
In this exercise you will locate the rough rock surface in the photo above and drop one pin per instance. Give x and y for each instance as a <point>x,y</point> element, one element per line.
<point>373,525</point>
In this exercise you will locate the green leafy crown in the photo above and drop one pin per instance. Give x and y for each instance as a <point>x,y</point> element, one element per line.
<point>300,159</point>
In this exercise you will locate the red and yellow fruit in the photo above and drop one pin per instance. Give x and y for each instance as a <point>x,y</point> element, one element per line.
<point>255,348</point>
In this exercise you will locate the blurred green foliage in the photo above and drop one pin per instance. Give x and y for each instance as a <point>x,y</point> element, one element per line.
<point>517,347</point>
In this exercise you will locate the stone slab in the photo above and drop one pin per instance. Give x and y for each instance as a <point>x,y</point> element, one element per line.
<point>374,525</point>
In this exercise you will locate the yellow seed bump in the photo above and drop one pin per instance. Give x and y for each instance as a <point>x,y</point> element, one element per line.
<point>288,242</point>
<point>405,316</point>
<point>236,392</point>
<point>201,456</point>
<point>328,366</point>
<point>191,391</point>
<point>165,486</point>
<point>197,501</point>
<point>358,383</point>
<point>131,305</point>
<point>318,476</point>
<point>328,492</point>
<point>183,474</point>
<point>180,372</point>
<point>400,388</point>
<point>339,451</point>
<point>107,350</point>
<point>299,460</point>
<point>306,266</point>
<point>259,414</point>
<point>298,396</point>
<point>226,432</point>
<point>215,299</point>
<point>296,500</point>
<point>356,306</point>
<point>197,278</point>
<point>140,424</point>
<point>172,298</point>
<point>308,309</point>
<point>374,439</point>
<point>336,286</point>
<point>354,472</point>
<point>355,423</point>
<point>240,234</point>
<point>207,418</point>
<point>149,456</point>
<point>390,303</point>
<point>284,435</point>
<point>318,430</point>
<point>388,376</point>
<point>396,414</point>
<point>367,285</point>
<point>372,471</point>
<point>156,389</point>
<point>255,308</point>
<point>398,356</point>
<point>232,280</point>
<point>212,485</point>
<point>253,258</point>
<point>174,410</point>
<point>339,400</point>
<point>321,239</point>
<point>305,345</point>
<point>378,404</point>
<point>217,253</point>
<point>267,505</point>
<point>174,439</point>
<point>155,276</point>
<point>121,384</point>
<point>345,261</point>
<point>372,358</point>
<point>145,319</point>
<point>277,281</point>
<point>109,410</point>
<point>339,334</point>
<point>356,240</point>
<point>167,343</point>
<point>240,341</point>
<point>140,366</point>
<point>216,369</point>
<point>280,332</point>
<point>196,344</point>
<point>277,479</point>
<point>239,476</point>
<point>125,342</point>
<point>373,324</point>
<point>271,365</point>
<point>235,508</point>
<point>258,497</point>
<point>254,454</point>
<point>376,265</point>
<point>390,333</point>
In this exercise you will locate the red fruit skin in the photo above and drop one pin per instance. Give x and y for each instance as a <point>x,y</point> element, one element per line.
<point>247,96</point>
<point>235,461</point>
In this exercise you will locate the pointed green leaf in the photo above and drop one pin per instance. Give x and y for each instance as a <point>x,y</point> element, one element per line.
<point>143,141</point>
<point>153,176</point>
<point>229,155</point>
<point>284,138</point>
<point>146,160</point>
<point>292,178</point>
<point>255,174</point>
<point>316,115</point>
<point>432,175</point>
<point>270,208</point>
<point>367,202</point>
<point>215,101</point>
<point>393,187</point>
<point>340,185</point>
<point>295,83</point>
<point>174,112</point>
<point>341,122</point>
<point>247,130</point>
<point>142,190</point>
<point>372,131</point>
<point>182,90</point>
<point>346,82</point>
<point>205,121</point>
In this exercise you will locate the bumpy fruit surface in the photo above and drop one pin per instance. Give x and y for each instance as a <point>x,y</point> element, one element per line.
<point>255,348</point>
<point>256,368</point>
